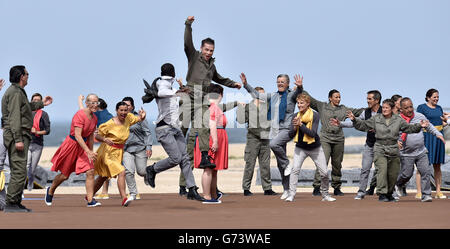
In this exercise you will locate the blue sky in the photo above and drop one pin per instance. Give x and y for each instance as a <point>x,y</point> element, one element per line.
<point>107,47</point>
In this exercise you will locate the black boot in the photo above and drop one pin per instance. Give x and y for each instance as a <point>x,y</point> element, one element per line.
<point>193,194</point>
<point>183,191</point>
<point>404,191</point>
<point>371,190</point>
<point>247,193</point>
<point>16,208</point>
<point>383,198</point>
<point>205,162</point>
<point>337,191</point>
<point>149,178</point>
<point>269,192</point>
<point>316,191</point>
<point>391,198</point>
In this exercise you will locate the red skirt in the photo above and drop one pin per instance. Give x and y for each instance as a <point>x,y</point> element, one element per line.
<point>70,157</point>
<point>220,157</point>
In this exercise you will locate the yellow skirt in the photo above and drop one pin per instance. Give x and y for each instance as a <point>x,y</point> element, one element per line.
<point>109,161</point>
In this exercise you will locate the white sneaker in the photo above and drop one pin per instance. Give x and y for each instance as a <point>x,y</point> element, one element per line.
<point>285,195</point>
<point>396,193</point>
<point>288,170</point>
<point>359,196</point>
<point>328,198</point>
<point>290,198</point>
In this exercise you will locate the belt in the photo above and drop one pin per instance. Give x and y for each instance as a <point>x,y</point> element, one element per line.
<point>162,127</point>
<point>438,127</point>
<point>74,139</point>
<point>118,146</point>
<point>386,142</point>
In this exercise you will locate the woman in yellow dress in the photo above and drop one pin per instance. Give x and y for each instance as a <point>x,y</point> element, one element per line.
<point>113,134</point>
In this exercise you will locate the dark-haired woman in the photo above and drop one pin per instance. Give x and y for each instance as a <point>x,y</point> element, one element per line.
<point>387,126</point>
<point>113,134</point>
<point>218,144</point>
<point>436,148</point>
<point>332,137</point>
<point>396,98</point>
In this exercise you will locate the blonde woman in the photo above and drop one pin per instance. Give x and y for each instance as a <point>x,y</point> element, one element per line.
<point>307,144</point>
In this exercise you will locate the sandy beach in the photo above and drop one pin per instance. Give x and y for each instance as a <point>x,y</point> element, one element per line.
<point>228,181</point>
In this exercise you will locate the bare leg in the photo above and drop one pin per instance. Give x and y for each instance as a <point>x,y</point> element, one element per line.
<point>206,183</point>
<point>418,184</point>
<point>105,187</point>
<point>56,182</point>
<point>437,177</point>
<point>214,184</point>
<point>121,185</point>
<point>90,180</point>
<point>98,183</point>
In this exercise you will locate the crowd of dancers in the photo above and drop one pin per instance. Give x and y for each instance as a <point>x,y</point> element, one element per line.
<point>191,127</point>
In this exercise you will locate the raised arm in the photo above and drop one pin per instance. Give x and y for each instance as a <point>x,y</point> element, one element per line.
<point>255,94</point>
<point>189,48</point>
<point>299,87</point>
<point>80,101</point>
<point>40,104</point>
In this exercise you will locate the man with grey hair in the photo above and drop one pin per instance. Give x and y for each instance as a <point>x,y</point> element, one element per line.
<point>281,106</point>
<point>413,151</point>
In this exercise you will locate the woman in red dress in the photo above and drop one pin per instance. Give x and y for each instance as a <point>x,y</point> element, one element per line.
<point>76,152</point>
<point>218,144</point>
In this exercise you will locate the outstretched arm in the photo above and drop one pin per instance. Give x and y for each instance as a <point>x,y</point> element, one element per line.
<point>225,81</point>
<point>362,125</point>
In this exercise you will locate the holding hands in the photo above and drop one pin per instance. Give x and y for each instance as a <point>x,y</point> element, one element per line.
<point>92,156</point>
<point>350,115</point>
<point>445,118</point>
<point>335,122</point>
<point>424,123</point>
